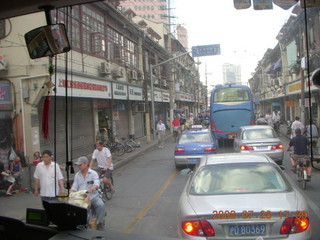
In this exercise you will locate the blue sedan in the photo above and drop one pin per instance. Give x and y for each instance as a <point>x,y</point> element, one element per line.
<point>193,145</point>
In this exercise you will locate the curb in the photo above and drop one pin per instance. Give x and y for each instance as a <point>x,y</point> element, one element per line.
<point>120,162</point>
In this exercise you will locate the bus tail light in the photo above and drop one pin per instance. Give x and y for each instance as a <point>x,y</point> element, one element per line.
<point>198,228</point>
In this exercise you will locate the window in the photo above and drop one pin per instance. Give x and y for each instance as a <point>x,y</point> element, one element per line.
<point>93,32</point>
<point>238,178</point>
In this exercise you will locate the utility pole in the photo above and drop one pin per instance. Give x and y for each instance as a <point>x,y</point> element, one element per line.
<point>171,76</point>
<point>206,77</point>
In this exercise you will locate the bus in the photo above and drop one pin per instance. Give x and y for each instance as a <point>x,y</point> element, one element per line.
<point>231,106</point>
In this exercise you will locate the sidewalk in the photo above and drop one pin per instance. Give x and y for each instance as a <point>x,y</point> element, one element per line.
<point>118,161</point>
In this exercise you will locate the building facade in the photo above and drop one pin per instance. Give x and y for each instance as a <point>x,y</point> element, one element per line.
<point>103,83</point>
<point>283,77</point>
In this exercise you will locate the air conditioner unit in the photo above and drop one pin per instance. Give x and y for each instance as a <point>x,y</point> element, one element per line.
<point>155,80</point>
<point>164,83</point>
<point>105,68</point>
<point>118,73</point>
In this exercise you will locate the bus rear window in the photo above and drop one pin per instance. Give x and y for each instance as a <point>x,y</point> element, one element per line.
<point>231,95</point>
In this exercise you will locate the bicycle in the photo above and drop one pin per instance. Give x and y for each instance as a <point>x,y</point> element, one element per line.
<point>115,147</point>
<point>132,143</point>
<point>127,147</point>
<point>104,189</point>
<point>303,162</point>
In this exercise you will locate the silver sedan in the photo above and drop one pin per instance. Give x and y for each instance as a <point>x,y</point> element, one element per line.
<point>241,196</point>
<point>259,139</point>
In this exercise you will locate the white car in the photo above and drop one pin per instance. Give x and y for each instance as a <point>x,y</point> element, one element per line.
<point>241,196</point>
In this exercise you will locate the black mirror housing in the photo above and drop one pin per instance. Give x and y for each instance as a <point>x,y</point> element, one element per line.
<point>47,41</point>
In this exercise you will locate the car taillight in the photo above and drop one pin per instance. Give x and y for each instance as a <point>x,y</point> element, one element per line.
<point>278,146</point>
<point>198,228</point>
<point>179,150</point>
<point>209,149</point>
<point>252,122</point>
<point>246,148</point>
<point>294,225</point>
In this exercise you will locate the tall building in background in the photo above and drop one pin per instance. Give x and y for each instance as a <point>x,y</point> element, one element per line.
<point>155,10</point>
<point>231,73</point>
<point>182,36</point>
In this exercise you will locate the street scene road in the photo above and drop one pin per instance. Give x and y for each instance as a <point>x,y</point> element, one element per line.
<point>147,193</point>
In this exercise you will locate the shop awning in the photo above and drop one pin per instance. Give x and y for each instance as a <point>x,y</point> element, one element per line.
<point>278,65</point>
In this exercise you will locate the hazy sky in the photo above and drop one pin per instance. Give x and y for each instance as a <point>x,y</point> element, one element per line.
<point>243,35</point>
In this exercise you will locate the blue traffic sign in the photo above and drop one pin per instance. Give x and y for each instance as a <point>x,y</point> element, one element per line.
<point>206,50</point>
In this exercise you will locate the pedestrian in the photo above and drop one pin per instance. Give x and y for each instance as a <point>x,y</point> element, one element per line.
<point>104,160</point>
<point>261,120</point>
<point>312,130</point>
<point>161,132</point>
<point>191,119</point>
<point>176,126</point>
<point>4,180</point>
<point>276,115</point>
<point>36,158</point>
<point>183,120</point>
<point>48,178</point>
<point>88,179</point>
<point>296,124</point>
<point>16,171</point>
<point>268,118</point>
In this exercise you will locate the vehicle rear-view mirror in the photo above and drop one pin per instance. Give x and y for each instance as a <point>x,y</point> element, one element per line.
<point>315,78</point>
<point>47,41</point>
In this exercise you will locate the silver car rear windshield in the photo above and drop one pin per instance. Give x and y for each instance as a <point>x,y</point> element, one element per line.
<point>238,179</point>
<point>259,134</point>
<point>195,137</point>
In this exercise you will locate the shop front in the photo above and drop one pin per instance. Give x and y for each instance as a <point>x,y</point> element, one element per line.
<point>72,116</point>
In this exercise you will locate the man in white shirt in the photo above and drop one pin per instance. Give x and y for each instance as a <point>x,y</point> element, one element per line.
<point>296,124</point>
<point>104,160</point>
<point>48,178</point>
<point>88,179</point>
<point>161,131</point>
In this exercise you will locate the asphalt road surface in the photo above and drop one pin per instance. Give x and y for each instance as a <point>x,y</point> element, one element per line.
<point>148,190</point>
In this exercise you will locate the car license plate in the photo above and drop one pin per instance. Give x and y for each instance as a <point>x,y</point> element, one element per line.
<point>245,230</point>
<point>261,147</point>
<point>193,160</point>
<point>231,136</point>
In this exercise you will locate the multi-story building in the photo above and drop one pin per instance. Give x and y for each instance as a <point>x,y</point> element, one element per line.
<point>282,78</point>
<point>103,82</point>
<point>155,10</point>
<point>231,73</point>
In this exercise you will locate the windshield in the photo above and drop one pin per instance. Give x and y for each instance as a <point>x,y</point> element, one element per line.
<point>258,134</point>
<point>194,137</point>
<point>114,86</point>
<point>238,179</point>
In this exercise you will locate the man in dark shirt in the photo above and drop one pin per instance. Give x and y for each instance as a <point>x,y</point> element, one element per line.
<point>300,144</point>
